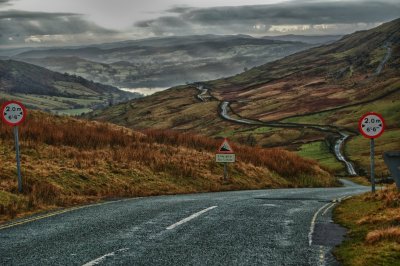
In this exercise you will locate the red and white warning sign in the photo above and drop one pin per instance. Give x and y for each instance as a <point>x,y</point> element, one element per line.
<point>371,125</point>
<point>225,147</point>
<point>225,153</point>
<point>13,113</point>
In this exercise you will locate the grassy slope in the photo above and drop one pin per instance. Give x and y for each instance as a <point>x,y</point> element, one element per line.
<point>43,89</point>
<point>319,151</point>
<point>67,161</point>
<point>374,233</point>
<point>177,109</point>
<point>358,147</point>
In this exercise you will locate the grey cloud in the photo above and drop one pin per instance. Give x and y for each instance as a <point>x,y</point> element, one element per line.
<point>173,22</point>
<point>4,2</point>
<point>18,26</point>
<point>300,13</point>
<point>243,18</point>
<point>180,9</point>
<point>165,25</point>
<point>17,14</point>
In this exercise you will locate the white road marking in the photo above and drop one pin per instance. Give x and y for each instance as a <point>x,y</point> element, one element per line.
<point>321,256</point>
<point>40,217</point>
<point>102,258</point>
<point>312,226</point>
<point>335,202</point>
<point>269,205</point>
<point>187,219</point>
<point>332,204</point>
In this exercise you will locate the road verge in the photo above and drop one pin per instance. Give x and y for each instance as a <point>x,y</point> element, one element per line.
<point>374,228</point>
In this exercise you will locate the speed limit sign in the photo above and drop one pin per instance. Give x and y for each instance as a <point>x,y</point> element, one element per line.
<point>371,125</point>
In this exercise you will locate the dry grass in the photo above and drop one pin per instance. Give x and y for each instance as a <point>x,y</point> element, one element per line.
<point>374,223</point>
<point>67,161</point>
<point>390,234</point>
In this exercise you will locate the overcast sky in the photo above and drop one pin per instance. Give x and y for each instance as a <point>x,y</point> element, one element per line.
<point>56,22</point>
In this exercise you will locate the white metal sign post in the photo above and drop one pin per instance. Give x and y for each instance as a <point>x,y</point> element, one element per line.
<point>13,113</point>
<point>225,155</point>
<point>372,125</point>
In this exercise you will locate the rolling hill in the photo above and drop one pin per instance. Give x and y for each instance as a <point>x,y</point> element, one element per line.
<point>43,89</point>
<point>66,161</point>
<point>163,62</point>
<point>330,85</point>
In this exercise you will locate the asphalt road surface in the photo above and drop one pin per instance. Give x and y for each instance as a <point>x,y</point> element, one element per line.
<point>263,227</point>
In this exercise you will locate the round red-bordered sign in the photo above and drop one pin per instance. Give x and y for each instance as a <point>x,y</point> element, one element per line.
<point>13,113</point>
<point>371,125</point>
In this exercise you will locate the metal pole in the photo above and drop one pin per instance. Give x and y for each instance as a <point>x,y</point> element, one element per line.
<point>225,172</point>
<point>18,159</point>
<point>372,166</point>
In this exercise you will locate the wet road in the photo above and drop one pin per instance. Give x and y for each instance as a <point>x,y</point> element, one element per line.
<point>263,227</point>
<point>338,145</point>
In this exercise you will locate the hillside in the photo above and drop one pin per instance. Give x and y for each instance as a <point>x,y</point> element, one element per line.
<point>163,62</point>
<point>41,88</point>
<point>345,72</point>
<point>66,161</point>
<point>331,85</point>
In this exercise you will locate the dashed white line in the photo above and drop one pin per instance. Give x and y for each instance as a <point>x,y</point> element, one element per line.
<point>102,258</point>
<point>191,217</point>
<point>321,261</point>
<point>269,205</point>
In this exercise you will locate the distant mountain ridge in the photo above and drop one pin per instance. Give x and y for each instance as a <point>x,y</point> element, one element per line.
<point>163,62</point>
<point>311,39</point>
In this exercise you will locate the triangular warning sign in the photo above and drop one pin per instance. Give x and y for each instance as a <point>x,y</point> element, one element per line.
<point>225,147</point>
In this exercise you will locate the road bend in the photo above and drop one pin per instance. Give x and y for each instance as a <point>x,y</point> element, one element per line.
<point>387,56</point>
<point>339,145</point>
<point>263,227</point>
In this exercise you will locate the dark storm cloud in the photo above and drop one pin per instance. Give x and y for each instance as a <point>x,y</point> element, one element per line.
<point>158,26</point>
<point>4,2</point>
<point>19,26</point>
<point>179,9</point>
<point>299,13</point>
<point>244,18</point>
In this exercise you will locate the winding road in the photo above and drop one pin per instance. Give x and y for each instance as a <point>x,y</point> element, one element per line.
<point>338,145</point>
<point>263,227</point>
<point>204,95</point>
<point>342,136</point>
<point>385,59</point>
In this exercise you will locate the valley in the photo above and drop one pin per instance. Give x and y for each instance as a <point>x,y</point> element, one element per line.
<point>289,102</point>
<point>199,133</point>
<point>165,62</point>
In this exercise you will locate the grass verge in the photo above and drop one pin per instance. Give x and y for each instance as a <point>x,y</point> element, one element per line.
<point>319,151</point>
<point>67,161</point>
<point>374,229</point>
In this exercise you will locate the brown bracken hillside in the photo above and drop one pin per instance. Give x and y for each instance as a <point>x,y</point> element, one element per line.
<point>67,161</point>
